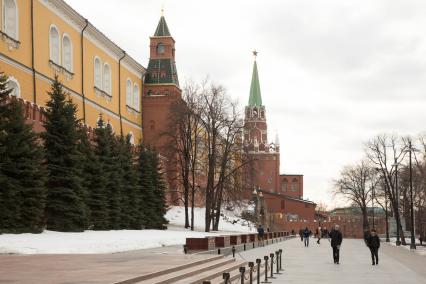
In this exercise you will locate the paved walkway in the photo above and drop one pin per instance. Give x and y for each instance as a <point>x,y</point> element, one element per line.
<point>90,268</point>
<point>315,263</point>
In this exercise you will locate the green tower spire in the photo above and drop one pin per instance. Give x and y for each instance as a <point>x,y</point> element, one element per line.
<point>255,95</point>
<point>162,28</point>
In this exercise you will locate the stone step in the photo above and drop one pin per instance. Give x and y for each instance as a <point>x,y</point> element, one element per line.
<point>170,270</point>
<point>188,272</point>
<point>213,273</point>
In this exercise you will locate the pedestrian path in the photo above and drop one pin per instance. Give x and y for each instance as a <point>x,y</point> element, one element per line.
<point>314,264</point>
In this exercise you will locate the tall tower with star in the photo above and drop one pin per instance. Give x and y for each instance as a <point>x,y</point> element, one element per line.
<point>262,156</point>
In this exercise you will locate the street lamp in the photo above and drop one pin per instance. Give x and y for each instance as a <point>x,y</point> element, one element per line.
<point>257,196</point>
<point>398,241</point>
<point>413,240</point>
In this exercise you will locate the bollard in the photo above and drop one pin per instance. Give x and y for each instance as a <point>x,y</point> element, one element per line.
<point>233,251</point>
<point>266,269</point>
<point>272,266</point>
<point>218,251</point>
<point>244,247</point>
<point>277,260</point>
<point>226,277</point>
<point>258,261</point>
<point>242,272</point>
<point>251,266</point>
<point>185,249</point>
<point>253,244</point>
<point>281,259</point>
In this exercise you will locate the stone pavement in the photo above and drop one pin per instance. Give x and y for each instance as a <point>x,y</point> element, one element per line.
<point>89,268</point>
<point>315,263</point>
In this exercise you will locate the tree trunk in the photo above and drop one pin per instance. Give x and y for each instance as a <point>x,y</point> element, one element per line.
<point>365,223</point>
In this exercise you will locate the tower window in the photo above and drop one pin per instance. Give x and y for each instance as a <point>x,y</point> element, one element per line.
<point>10,21</point>
<point>161,48</point>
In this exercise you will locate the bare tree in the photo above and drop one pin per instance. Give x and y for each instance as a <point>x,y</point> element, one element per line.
<point>184,130</point>
<point>356,183</point>
<point>386,152</point>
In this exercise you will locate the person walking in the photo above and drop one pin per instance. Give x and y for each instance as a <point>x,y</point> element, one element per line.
<point>306,235</point>
<point>301,234</point>
<point>319,235</point>
<point>373,243</point>
<point>336,241</point>
<point>261,233</point>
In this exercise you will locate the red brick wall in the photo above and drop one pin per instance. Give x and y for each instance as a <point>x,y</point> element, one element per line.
<point>291,185</point>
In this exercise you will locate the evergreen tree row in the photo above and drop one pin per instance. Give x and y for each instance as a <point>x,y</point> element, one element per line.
<point>68,182</point>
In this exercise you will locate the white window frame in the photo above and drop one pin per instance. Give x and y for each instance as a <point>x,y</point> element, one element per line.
<point>136,103</point>
<point>4,25</point>
<point>51,43</point>
<point>14,80</point>
<point>99,86</point>
<point>129,92</point>
<point>65,35</point>
<point>109,91</point>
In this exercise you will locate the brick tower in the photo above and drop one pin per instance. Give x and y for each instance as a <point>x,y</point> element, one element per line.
<point>161,90</point>
<point>263,168</point>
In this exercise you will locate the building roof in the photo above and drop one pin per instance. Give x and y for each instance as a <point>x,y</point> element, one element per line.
<point>288,197</point>
<point>255,98</point>
<point>162,28</point>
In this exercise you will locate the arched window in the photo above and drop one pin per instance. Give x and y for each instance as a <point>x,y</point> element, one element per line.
<point>10,21</point>
<point>161,48</point>
<point>136,97</point>
<point>284,185</point>
<point>129,92</point>
<point>131,138</point>
<point>98,73</point>
<point>106,84</point>
<point>13,84</point>
<point>54,44</point>
<point>67,52</point>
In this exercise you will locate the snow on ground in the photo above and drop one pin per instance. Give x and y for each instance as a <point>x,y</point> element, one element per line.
<point>421,250</point>
<point>50,242</point>
<point>230,221</point>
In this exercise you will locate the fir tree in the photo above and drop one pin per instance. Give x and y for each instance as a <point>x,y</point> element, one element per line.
<point>22,176</point>
<point>160,187</point>
<point>65,208</point>
<point>146,188</point>
<point>94,181</point>
<point>107,150</point>
<point>130,199</point>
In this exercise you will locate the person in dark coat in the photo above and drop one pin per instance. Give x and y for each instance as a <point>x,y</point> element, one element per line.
<point>261,233</point>
<point>373,243</point>
<point>301,234</point>
<point>306,234</point>
<point>336,241</point>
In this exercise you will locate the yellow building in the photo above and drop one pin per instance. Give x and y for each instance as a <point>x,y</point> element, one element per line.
<point>41,38</point>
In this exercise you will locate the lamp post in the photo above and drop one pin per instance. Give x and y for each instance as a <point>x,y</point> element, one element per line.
<point>258,206</point>
<point>413,240</point>
<point>398,240</point>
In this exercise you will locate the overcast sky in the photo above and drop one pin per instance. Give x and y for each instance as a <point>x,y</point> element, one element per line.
<point>333,73</point>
